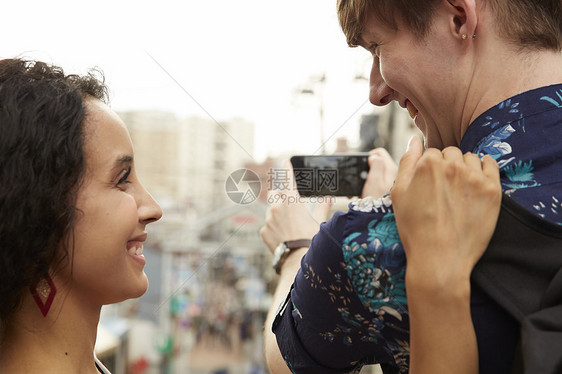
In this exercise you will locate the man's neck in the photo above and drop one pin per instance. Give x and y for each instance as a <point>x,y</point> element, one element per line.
<point>506,74</point>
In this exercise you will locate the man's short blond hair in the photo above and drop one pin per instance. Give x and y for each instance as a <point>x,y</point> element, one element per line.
<point>528,24</point>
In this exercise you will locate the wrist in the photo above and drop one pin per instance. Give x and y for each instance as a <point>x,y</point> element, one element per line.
<point>439,285</point>
<point>284,250</point>
<point>292,262</point>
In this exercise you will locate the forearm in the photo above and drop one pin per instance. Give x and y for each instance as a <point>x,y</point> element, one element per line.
<point>442,337</point>
<point>289,270</point>
<point>446,205</point>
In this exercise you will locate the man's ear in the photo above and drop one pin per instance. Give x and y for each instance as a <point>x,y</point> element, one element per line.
<point>463,17</point>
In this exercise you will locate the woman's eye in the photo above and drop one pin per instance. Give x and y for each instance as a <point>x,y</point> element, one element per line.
<point>124,176</point>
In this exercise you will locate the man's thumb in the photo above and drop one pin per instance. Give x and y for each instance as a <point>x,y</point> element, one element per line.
<point>409,159</point>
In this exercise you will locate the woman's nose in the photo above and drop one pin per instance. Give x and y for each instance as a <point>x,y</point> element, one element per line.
<point>149,209</point>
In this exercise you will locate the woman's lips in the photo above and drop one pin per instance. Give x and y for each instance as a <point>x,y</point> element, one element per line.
<point>135,251</point>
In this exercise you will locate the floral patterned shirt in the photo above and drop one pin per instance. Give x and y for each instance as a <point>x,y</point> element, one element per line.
<point>348,307</point>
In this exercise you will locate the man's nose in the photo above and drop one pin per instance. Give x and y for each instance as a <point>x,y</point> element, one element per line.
<point>380,93</point>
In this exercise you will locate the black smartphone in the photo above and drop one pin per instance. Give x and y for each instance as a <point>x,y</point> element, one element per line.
<point>331,175</point>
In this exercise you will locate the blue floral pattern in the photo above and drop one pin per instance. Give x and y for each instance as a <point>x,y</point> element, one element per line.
<point>359,278</point>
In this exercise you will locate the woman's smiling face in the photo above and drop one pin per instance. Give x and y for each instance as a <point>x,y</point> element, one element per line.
<point>113,209</point>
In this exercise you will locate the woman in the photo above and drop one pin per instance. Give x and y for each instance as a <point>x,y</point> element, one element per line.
<point>483,76</point>
<point>73,218</point>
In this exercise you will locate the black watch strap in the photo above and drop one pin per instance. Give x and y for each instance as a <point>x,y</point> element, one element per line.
<point>296,244</point>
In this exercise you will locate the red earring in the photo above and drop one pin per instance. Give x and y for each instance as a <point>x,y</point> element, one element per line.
<point>44,293</point>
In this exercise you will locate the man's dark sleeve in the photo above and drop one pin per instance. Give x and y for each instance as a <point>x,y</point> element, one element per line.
<point>317,327</point>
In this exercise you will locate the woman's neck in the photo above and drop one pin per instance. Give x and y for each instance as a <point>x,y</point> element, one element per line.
<point>61,342</point>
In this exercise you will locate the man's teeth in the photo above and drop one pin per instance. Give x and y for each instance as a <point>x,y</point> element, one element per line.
<point>413,112</point>
<point>135,250</point>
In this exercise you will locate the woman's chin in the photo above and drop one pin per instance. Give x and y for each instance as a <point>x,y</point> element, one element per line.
<point>138,290</point>
<point>143,287</point>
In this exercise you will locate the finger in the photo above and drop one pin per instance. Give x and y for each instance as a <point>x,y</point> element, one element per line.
<point>374,159</point>
<point>452,154</point>
<point>472,161</point>
<point>380,152</point>
<point>380,158</point>
<point>408,161</point>
<point>283,179</point>
<point>490,168</point>
<point>381,175</point>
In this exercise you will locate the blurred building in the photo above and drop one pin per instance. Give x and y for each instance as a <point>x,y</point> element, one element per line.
<point>389,127</point>
<point>210,275</point>
<point>186,161</point>
<point>205,259</point>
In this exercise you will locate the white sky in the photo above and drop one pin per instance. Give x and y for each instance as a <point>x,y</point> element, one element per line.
<point>235,58</point>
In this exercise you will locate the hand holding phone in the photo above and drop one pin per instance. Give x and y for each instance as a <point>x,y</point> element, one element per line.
<point>382,175</point>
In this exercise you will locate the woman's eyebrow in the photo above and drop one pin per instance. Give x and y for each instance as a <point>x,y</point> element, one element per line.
<point>121,161</point>
<point>124,159</point>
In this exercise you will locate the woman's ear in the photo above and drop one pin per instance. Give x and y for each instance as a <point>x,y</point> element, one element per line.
<point>463,18</point>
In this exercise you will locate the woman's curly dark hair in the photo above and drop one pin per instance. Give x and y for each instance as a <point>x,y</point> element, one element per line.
<point>41,166</point>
